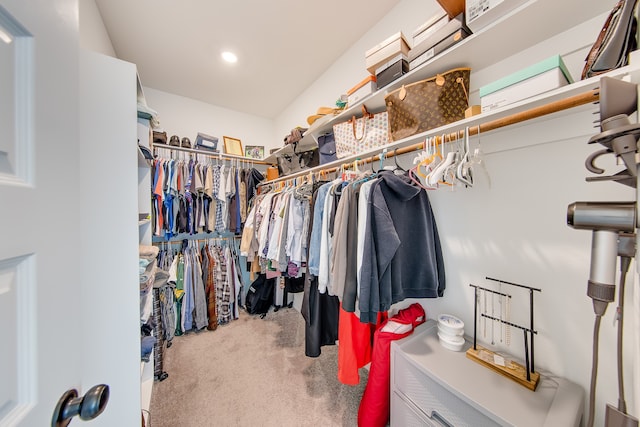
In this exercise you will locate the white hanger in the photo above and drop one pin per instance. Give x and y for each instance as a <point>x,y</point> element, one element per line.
<point>462,171</point>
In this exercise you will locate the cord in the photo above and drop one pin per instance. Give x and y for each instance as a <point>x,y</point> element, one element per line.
<point>594,370</point>
<point>624,268</point>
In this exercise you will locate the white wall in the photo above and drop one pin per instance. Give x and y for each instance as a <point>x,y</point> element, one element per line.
<point>93,34</point>
<point>186,117</point>
<point>350,68</point>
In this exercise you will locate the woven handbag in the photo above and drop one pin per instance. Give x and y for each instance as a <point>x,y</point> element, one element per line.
<point>361,134</point>
<point>427,104</point>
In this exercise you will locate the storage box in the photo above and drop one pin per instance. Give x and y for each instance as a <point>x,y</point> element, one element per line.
<point>480,13</point>
<point>391,73</point>
<point>431,26</point>
<point>384,51</point>
<point>445,44</point>
<point>361,90</point>
<point>206,142</point>
<point>536,79</point>
<point>438,36</point>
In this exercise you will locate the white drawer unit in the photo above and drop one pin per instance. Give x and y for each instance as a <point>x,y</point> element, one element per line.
<point>431,385</point>
<point>407,415</point>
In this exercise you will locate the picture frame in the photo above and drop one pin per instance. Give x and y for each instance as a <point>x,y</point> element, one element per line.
<point>232,146</point>
<point>254,151</point>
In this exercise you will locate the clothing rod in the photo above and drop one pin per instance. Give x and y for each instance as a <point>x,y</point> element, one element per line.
<point>215,155</point>
<point>532,113</point>
<point>172,242</point>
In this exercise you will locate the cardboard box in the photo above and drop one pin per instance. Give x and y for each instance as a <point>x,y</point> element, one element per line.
<point>392,61</point>
<point>445,44</point>
<point>366,87</point>
<point>438,36</point>
<point>431,26</point>
<point>480,13</point>
<point>392,73</point>
<point>539,78</point>
<point>206,142</point>
<point>385,50</point>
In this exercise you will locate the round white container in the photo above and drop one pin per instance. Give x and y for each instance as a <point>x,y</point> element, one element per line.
<point>454,343</point>
<point>450,325</point>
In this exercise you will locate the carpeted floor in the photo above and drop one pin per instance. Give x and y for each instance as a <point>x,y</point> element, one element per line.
<point>253,372</point>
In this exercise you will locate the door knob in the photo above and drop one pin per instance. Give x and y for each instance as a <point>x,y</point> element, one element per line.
<point>87,407</point>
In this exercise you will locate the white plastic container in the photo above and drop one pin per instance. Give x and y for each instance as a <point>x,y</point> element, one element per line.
<point>453,343</point>
<point>450,325</point>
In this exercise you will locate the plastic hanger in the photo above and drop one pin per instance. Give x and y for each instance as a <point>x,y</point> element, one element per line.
<point>436,175</point>
<point>395,160</point>
<point>463,173</point>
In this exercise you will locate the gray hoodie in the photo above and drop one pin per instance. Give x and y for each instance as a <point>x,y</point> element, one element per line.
<point>402,254</point>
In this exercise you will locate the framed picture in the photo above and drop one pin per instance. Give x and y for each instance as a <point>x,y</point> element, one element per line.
<point>254,151</point>
<point>232,146</point>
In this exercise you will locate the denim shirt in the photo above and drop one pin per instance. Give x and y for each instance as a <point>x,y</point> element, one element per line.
<point>316,231</point>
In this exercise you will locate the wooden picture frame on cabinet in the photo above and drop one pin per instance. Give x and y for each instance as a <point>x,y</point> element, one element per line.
<point>232,146</point>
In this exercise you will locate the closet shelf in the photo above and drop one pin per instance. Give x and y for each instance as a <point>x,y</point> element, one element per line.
<point>213,155</point>
<point>579,94</point>
<point>515,31</point>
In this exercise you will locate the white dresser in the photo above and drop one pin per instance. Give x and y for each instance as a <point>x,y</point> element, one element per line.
<point>433,386</point>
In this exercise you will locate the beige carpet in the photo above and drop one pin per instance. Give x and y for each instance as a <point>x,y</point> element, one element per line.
<point>253,372</point>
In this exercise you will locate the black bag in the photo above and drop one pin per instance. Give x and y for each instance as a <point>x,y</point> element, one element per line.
<point>260,295</point>
<point>294,284</point>
<point>327,148</point>
<point>308,159</point>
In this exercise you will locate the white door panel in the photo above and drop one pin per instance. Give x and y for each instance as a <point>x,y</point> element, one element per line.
<point>53,320</point>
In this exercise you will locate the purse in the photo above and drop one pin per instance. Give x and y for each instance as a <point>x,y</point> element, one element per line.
<point>359,135</point>
<point>327,148</point>
<point>615,41</point>
<point>428,104</point>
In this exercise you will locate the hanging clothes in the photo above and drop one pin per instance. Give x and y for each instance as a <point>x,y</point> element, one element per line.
<point>199,195</point>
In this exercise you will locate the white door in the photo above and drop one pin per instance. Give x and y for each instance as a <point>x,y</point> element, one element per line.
<point>68,267</point>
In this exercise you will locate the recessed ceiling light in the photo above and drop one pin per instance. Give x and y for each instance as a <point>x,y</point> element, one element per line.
<point>5,36</point>
<point>230,57</point>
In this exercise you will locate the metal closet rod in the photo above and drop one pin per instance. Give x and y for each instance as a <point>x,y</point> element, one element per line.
<point>214,155</point>
<point>532,113</point>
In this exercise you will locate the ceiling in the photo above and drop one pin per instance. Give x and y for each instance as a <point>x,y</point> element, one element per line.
<point>283,46</point>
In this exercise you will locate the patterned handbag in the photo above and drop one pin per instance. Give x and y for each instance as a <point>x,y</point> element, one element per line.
<point>427,104</point>
<point>362,134</point>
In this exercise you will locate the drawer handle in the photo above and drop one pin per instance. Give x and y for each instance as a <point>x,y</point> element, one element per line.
<point>436,416</point>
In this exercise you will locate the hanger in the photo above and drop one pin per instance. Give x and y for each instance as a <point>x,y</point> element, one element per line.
<point>395,160</point>
<point>463,172</point>
<point>435,176</point>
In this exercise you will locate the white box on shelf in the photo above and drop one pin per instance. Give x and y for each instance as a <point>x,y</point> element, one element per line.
<point>539,78</point>
<point>385,51</point>
<point>480,13</point>
<point>428,28</point>
<point>361,90</point>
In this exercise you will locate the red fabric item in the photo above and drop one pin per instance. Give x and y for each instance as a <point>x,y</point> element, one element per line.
<point>375,404</point>
<point>354,346</point>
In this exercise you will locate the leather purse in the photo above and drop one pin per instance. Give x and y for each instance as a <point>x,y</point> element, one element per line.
<point>615,41</point>
<point>428,104</point>
<point>361,134</point>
